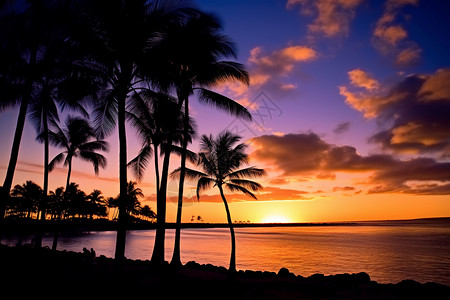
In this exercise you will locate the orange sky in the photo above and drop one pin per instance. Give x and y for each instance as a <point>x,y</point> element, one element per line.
<point>351,106</point>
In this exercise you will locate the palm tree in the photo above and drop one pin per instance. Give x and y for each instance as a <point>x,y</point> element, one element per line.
<point>147,213</point>
<point>40,64</point>
<point>23,35</point>
<point>195,50</point>
<point>97,203</point>
<point>133,206</point>
<point>220,161</point>
<point>30,195</point>
<point>78,140</point>
<point>159,123</point>
<point>120,38</point>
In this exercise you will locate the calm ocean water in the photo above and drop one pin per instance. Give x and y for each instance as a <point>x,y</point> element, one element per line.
<point>389,252</point>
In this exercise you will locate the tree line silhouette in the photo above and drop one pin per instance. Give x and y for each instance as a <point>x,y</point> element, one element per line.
<point>112,62</point>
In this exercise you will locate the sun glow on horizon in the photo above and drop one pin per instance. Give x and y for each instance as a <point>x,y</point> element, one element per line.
<point>276,219</point>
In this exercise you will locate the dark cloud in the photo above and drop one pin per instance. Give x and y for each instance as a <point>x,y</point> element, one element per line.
<point>342,127</point>
<point>413,114</point>
<point>306,154</point>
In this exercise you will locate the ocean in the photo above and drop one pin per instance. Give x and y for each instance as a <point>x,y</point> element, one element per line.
<point>389,251</point>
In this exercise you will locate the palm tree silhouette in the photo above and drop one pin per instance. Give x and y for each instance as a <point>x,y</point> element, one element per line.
<point>120,37</point>
<point>133,206</point>
<point>220,161</point>
<point>199,64</point>
<point>160,125</point>
<point>78,140</point>
<point>38,69</point>
<point>24,41</point>
<point>29,195</point>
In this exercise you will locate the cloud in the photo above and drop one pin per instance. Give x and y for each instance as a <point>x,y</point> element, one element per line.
<point>363,79</point>
<point>269,193</point>
<point>270,71</point>
<point>307,155</point>
<point>278,63</point>
<point>390,36</point>
<point>332,18</point>
<point>412,114</point>
<point>342,127</point>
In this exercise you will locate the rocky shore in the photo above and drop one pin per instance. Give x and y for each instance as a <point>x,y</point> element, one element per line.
<point>30,272</point>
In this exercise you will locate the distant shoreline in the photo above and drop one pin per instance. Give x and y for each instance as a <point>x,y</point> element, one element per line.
<point>31,226</point>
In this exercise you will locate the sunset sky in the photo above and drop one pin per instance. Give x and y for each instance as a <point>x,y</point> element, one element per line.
<point>351,108</point>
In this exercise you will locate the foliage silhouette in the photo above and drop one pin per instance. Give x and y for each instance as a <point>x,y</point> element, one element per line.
<point>220,161</point>
<point>200,64</point>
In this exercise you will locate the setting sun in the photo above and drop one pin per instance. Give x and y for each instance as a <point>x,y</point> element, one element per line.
<point>276,219</point>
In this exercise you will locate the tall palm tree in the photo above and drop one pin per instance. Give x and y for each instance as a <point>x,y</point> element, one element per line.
<point>24,36</point>
<point>196,51</point>
<point>78,140</point>
<point>40,60</point>
<point>159,123</point>
<point>220,161</point>
<point>120,37</point>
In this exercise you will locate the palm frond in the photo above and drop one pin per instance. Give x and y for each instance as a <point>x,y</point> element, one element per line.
<point>237,188</point>
<point>203,183</point>
<point>58,159</point>
<point>140,162</point>
<point>105,114</point>
<point>190,155</point>
<point>96,159</point>
<point>224,103</point>
<point>94,145</point>
<point>251,172</point>
<point>225,71</point>
<point>248,184</point>
<point>190,174</point>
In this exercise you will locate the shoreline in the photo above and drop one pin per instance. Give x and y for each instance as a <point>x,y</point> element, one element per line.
<point>74,271</point>
<point>31,226</point>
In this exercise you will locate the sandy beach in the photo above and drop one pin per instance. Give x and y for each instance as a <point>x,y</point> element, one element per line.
<point>26,272</point>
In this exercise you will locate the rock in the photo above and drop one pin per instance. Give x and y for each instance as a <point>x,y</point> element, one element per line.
<point>361,277</point>
<point>284,272</point>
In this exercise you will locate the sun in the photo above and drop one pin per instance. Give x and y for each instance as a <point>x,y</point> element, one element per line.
<point>276,219</point>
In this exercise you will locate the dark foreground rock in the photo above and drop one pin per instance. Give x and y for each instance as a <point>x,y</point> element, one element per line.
<point>27,272</point>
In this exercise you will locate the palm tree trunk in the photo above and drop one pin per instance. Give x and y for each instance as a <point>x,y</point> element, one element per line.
<point>45,186</point>
<point>69,172</point>
<point>232,267</point>
<point>46,161</point>
<point>122,222</point>
<point>176,258</point>
<point>155,153</point>
<point>14,156</point>
<point>5,190</point>
<point>161,197</point>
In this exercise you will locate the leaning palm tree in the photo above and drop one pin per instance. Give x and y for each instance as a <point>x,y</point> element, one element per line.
<point>220,161</point>
<point>78,140</point>
<point>39,68</point>
<point>196,55</point>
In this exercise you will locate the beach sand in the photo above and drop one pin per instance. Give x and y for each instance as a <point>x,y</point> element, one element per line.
<point>30,272</point>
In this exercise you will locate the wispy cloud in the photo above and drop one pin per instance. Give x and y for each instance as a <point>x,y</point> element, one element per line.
<point>332,18</point>
<point>390,36</point>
